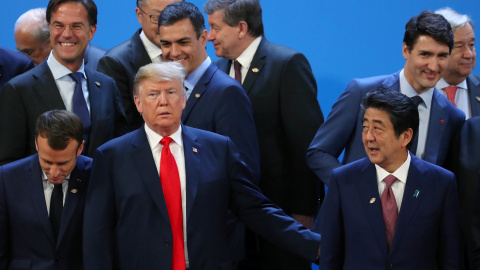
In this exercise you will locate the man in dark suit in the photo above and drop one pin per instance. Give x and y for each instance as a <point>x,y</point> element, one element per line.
<point>42,198</point>
<point>459,84</point>
<point>283,92</point>
<point>391,209</point>
<point>215,101</point>
<point>32,38</point>
<point>53,85</point>
<point>12,64</point>
<point>134,220</point>
<point>428,42</point>
<point>123,61</point>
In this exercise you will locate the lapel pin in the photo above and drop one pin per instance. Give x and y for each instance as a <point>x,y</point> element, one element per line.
<point>79,180</point>
<point>478,98</point>
<point>441,121</point>
<point>255,70</point>
<point>97,83</point>
<point>372,200</point>
<point>194,150</point>
<point>416,193</point>
<point>197,95</point>
<point>74,190</point>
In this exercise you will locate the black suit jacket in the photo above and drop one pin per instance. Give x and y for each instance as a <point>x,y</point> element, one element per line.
<point>92,56</point>
<point>12,64</point>
<point>122,63</point>
<point>29,95</point>
<point>473,84</point>
<point>283,93</point>
<point>27,240</point>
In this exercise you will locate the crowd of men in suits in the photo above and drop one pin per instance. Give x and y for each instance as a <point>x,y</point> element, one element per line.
<point>223,165</point>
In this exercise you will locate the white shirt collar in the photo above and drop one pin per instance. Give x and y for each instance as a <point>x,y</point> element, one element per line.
<point>58,70</point>
<point>152,49</point>
<point>401,173</point>
<point>442,84</point>
<point>245,59</point>
<point>154,138</point>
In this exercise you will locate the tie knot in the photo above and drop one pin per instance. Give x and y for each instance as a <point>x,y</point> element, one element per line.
<point>165,141</point>
<point>76,76</point>
<point>451,88</point>
<point>417,100</point>
<point>389,180</point>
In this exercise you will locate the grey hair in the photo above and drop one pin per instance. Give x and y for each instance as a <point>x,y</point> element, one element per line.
<point>35,22</point>
<point>455,19</point>
<point>159,72</point>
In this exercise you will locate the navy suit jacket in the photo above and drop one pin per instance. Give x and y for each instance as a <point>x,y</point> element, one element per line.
<point>92,56</point>
<point>283,92</point>
<point>427,234</point>
<point>29,95</point>
<point>12,64</point>
<point>27,240</point>
<point>343,127</point>
<point>126,219</point>
<point>219,104</point>
<point>122,63</point>
<point>473,84</point>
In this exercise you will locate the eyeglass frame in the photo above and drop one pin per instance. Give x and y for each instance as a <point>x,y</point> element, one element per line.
<point>57,27</point>
<point>151,16</point>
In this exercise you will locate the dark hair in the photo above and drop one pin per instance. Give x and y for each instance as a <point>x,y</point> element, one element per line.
<point>88,4</point>
<point>178,11</point>
<point>235,11</point>
<point>401,110</point>
<point>59,127</point>
<point>428,24</point>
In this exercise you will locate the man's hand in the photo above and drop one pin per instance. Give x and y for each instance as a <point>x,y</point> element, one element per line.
<point>306,221</point>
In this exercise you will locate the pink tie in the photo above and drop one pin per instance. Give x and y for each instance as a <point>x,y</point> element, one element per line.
<point>170,180</point>
<point>389,208</point>
<point>451,91</point>
<point>238,74</point>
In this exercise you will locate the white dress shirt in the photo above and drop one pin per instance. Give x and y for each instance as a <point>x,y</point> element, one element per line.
<point>398,187</point>
<point>154,52</point>
<point>48,189</point>
<point>245,59</point>
<point>462,98</point>
<point>176,148</point>
<point>65,83</point>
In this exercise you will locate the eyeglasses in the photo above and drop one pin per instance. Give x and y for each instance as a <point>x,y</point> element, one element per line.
<point>58,27</point>
<point>153,18</point>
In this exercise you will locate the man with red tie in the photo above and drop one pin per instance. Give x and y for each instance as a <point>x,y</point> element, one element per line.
<point>160,195</point>
<point>391,209</point>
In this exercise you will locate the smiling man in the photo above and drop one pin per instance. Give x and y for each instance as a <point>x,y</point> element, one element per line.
<point>390,209</point>
<point>42,198</point>
<point>427,43</point>
<point>61,82</point>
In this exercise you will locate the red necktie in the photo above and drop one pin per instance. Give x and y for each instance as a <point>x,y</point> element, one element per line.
<point>451,91</point>
<point>238,73</point>
<point>389,208</point>
<point>170,180</point>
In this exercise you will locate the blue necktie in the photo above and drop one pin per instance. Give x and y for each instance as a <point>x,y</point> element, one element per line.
<point>79,105</point>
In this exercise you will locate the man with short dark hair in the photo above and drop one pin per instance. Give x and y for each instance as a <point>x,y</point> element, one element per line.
<point>282,89</point>
<point>41,224</point>
<point>134,220</point>
<point>390,209</point>
<point>427,44</point>
<point>61,82</point>
<point>123,61</point>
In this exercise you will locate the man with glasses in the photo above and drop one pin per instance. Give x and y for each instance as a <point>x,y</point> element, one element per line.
<point>123,61</point>
<point>61,82</point>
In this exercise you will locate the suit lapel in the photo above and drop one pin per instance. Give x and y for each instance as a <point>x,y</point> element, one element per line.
<point>198,90</point>
<point>34,179</point>
<point>257,64</point>
<point>368,189</point>
<point>143,160</point>
<point>474,88</point>
<point>436,126</point>
<point>392,82</point>
<point>46,88</point>
<point>192,151</point>
<point>415,182</point>
<point>74,191</point>
<point>139,53</point>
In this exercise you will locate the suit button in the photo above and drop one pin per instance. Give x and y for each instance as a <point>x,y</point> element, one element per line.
<point>390,266</point>
<point>166,243</point>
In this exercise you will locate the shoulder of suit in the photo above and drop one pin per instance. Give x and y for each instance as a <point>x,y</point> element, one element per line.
<point>20,164</point>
